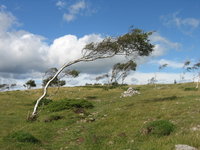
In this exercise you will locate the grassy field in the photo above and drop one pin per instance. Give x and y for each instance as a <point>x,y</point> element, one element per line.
<point>113,123</point>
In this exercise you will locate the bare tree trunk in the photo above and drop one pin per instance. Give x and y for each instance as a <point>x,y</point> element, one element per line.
<point>197,86</point>
<point>34,113</point>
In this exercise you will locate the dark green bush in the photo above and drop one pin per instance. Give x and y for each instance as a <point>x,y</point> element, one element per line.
<point>191,89</point>
<point>22,136</point>
<point>68,104</point>
<point>44,101</point>
<point>91,97</point>
<point>159,128</point>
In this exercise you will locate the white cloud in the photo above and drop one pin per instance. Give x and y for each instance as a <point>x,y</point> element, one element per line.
<point>142,78</point>
<point>69,17</point>
<point>74,10</point>
<point>24,55</point>
<point>6,20</point>
<point>69,48</point>
<point>22,51</point>
<point>60,4</point>
<point>186,25</point>
<point>162,45</point>
<point>2,7</point>
<point>170,63</point>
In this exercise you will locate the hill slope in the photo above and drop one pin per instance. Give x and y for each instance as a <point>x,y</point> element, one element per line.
<point>113,123</point>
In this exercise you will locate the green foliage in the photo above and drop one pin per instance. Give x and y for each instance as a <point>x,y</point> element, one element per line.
<point>44,101</point>
<point>91,97</point>
<point>191,89</point>
<point>22,136</point>
<point>68,104</point>
<point>55,82</point>
<point>72,73</point>
<point>135,41</point>
<point>30,83</point>
<point>121,70</point>
<point>159,128</point>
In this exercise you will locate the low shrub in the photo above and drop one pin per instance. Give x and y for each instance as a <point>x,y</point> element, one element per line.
<point>22,136</point>
<point>158,128</point>
<point>190,89</point>
<point>44,101</point>
<point>91,97</point>
<point>68,104</point>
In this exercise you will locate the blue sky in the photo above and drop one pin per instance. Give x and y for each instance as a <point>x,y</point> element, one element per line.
<point>38,28</point>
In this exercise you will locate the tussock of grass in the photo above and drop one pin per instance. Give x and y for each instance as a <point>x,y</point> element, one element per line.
<point>68,104</point>
<point>158,128</point>
<point>21,136</point>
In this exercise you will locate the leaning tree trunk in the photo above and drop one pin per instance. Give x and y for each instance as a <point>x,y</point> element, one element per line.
<point>197,86</point>
<point>34,113</point>
<point>85,59</point>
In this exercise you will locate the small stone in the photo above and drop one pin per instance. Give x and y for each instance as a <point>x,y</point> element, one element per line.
<point>184,147</point>
<point>90,119</point>
<point>110,142</point>
<point>132,141</point>
<point>197,128</point>
<point>80,140</point>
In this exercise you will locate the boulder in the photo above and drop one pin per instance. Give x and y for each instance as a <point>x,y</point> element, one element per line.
<point>184,147</point>
<point>129,92</point>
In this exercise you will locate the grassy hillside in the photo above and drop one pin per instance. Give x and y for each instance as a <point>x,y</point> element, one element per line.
<point>113,123</point>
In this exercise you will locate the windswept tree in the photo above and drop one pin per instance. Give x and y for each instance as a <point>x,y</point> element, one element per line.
<point>103,77</point>
<point>4,87</point>
<point>121,71</point>
<point>134,43</point>
<point>161,67</point>
<point>186,68</point>
<point>29,84</point>
<point>153,80</point>
<point>57,82</point>
<point>196,70</point>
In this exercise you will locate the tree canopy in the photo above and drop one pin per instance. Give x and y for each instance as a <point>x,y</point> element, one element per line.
<point>121,70</point>
<point>134,43</point>
<point>30,83</point>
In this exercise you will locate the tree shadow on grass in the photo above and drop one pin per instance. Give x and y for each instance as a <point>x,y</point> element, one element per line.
<point>161,99</point>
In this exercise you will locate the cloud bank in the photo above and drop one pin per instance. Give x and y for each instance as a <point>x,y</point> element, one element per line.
<point>26,55</point>
<point>186,25</point>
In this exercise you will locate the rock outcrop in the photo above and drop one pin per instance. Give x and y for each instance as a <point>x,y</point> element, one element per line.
<point>184,147</point>
<point>129,92</point>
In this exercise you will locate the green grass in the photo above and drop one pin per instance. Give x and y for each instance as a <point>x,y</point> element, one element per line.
<point>113,123</point>
<point>21,136</point>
